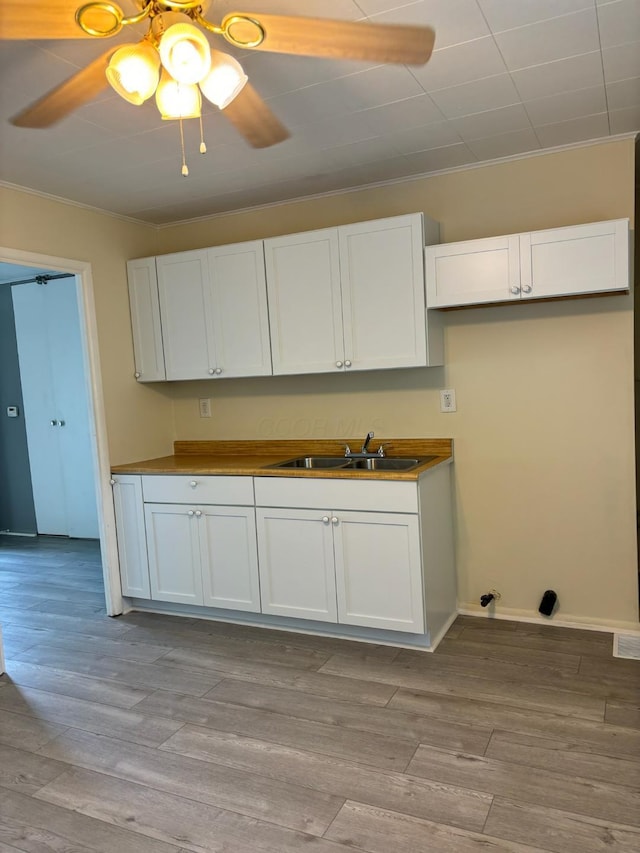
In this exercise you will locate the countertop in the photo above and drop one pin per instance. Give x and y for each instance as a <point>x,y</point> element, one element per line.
<point>253,458</point>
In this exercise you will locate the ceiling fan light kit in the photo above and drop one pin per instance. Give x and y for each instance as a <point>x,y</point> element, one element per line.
<point>176,45</point>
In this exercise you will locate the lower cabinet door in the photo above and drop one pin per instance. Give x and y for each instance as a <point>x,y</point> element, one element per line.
<point>378,571</point>
<point>229,557</point>
<point>174,552</point>
<point>297,575</point>
<point>132,544</point>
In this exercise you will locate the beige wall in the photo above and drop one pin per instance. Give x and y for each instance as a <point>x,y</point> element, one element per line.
<point>139,420</point>
<point>544,471</point>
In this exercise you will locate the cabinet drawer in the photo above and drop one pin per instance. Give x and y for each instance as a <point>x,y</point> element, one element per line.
<point>198,489</point>
<point>382,496</point>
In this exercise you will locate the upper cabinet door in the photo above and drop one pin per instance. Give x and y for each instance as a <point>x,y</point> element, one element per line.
<point>239,310</point>
<point>571,261</point>
<point>183,284</point>
<point>473,272</point>
<point>145,320</point>
<point>383,299</point>
<point>305,302</point>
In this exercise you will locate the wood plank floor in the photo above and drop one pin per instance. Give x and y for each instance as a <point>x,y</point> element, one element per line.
<point>158,734</point>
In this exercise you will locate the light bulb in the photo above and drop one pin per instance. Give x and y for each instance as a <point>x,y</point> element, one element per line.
<point>177,100</point>
<point>185,53</point>
<point>225,80</point>
<point>133,72</point>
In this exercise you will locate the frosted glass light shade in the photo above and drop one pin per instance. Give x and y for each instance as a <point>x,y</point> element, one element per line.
<point>185,53</point>
<point>177,100</point>
<point>134,71</point>
<point>225,80</point>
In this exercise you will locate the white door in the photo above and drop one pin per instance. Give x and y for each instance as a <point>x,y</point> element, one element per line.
<point>473,272</point>
<point>229,557</point>
<point>132,542</point>
<point>295,556</point>
<point>378,571</point>
<point>239,310</point>
<point>174,553</point>
<point>571,261</point>
<point>383,301</point>
<point>305,302</point>
<point>187,330</point>
<point>145,320</point>
<point>56,405</point>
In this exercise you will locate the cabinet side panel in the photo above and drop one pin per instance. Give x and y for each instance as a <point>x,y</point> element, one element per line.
<point>132,543</point>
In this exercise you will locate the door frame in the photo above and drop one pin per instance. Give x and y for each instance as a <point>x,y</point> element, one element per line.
<point>97,420</point>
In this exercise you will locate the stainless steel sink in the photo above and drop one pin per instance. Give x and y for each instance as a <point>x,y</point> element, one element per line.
<point>389,463</point>
<point>375,463</point>
<point>314,462</point>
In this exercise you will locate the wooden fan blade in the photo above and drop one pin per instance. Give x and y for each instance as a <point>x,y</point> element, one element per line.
<point>43,19</point>
<point>68,96</point>
<point>338,39</point>
<point>251,117</point>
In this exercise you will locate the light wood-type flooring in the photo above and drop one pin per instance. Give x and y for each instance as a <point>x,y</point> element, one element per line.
<point>158,734</point>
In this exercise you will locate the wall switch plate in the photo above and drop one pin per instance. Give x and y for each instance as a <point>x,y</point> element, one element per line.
<point>12,411</point>
<point>205,407</point>
<point>448,400</point>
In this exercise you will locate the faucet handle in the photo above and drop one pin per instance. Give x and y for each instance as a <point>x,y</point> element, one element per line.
<point>381,450</point>
<point>347,450</point>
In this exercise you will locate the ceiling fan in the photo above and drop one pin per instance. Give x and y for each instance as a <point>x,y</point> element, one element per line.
<point>175,61</point>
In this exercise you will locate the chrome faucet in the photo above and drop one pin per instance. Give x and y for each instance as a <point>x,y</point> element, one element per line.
<point>365,443</point>
<point>363,453</point>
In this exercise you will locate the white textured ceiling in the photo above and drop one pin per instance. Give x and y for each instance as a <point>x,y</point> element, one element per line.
<point>506,77</point>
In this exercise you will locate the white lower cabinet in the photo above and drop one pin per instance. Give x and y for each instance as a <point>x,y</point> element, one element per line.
<point>174,553</point>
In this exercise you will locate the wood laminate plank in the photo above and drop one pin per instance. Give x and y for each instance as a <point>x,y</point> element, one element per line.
<point>595,736</point>
<point>194,682</point>
<point>76,686</point>
<point>381,788</point>
<point>484,623</point>
<point>320,684</point>
<point>39,827</point>
<point>563,757</point>
<point>349,715</point>
<point>435,680</point>
<point>83,609</point>
<point>171,819</point>
<point>505,653</point>
<point>289,805</point>
<point>123,649</point>
<point>24,771</point>
<point>26,732</point>
<point>611,668</point>
<point>558,831</point>
<point>379,830</point>
<point>93,626</point>
<point>93,717</point>
<point>528,784</point>
<point>535,638</point>
<point>622,714</point>
<point>376,750</point>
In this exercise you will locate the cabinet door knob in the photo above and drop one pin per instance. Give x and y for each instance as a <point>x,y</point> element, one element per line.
<point>325,519</point>
<point>334,519</point>
<point>527,288</point>
<point>211,371</point>
<point>190,513</point>
<point>515,290</point>
<point>61,423</point>
<point>193,483</point>
<point>347,363</point>
<point>54,422</point>
<point>137,375</point>
<point>198,513</point>
<point>112,481</point>
<point>218,371</point>
<point>338,364</point>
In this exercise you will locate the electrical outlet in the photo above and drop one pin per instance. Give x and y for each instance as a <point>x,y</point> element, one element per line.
<point>205,407</point>
<point>448,400</point>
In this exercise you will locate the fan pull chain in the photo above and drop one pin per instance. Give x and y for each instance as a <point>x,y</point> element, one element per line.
<point>185,168</point>
<point>203,147</point>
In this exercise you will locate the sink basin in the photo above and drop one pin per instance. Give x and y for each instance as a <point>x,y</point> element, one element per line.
<point>387,463</point>
<point>314,462</point>
<point>376,463</point>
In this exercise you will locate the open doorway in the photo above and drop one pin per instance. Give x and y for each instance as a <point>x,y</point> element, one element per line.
<point>99,461</point>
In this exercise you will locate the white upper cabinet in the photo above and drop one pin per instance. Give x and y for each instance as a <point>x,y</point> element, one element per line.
<point>213,306</point>
<point>145,320</point>
<point>185,307</point>
<point>350,298</point>
<point>305,302</point>
<point>573,261</point>
<point>239,310</point>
